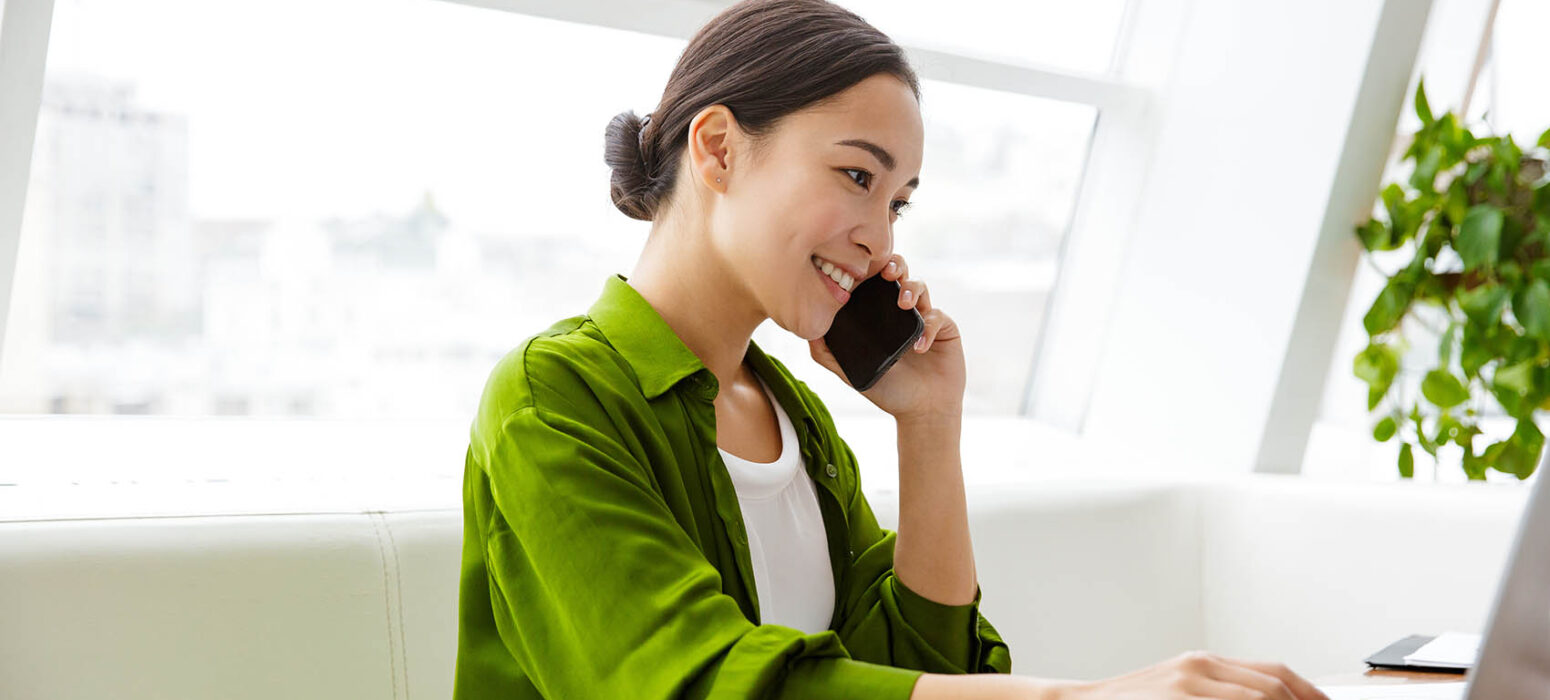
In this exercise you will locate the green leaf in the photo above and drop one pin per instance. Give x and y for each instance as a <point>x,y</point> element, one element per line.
<point>1442,388</point>
<point>1447,429</point>
<point>1480,236</point>
<point>1448,342</point>
<point>1521,454</point>
<point>1406,461</point>
<point>1393,198</point>
<point>1517,378</point>
<point>1376,235</point>
<point>1377,365</point>
<point>1466,435</point>
<point>1474,357</point>
<point>1425,176</point>
<point>1389,307</point>
<point>1511,401</point>
<point>1475,170</point>
<point>1489,458</point>
<point>1474,465</point>
<point>1534,310</point>
<point>1457,205</point>
<point>1484,304</point>
<point>1385,429</point>
<point>1420,431</point>
<point>1456,139</point>
<point>1422,108</point>
<point>1544,140</point>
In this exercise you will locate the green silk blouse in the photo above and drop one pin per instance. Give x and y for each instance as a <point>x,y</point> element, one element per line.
<point>604,551</point>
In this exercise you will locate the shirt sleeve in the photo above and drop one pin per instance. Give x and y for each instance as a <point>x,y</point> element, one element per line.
<point>885,622</point>
<point>597,591</point>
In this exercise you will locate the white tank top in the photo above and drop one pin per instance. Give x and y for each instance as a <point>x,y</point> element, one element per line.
<point>787,542</point>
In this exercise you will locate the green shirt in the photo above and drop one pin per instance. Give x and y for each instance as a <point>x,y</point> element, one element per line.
<point>604,552</point>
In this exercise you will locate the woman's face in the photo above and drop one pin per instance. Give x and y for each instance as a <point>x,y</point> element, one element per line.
<point>817,189</point>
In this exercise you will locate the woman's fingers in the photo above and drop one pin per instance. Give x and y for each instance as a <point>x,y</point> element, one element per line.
<point>1201,674</point>
<point>934,323</point>
<point>1204,687</point>
<point>911,293</point>
<point>1301,688</point>
<point>914,293</point>
<point>1249,680</point>
<point>938,325</point>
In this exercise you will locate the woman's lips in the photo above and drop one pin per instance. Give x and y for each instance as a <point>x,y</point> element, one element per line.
<point>834,288</point>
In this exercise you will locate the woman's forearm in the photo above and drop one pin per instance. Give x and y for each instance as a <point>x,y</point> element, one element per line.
<point>986,686</point>
<point>933,555</point>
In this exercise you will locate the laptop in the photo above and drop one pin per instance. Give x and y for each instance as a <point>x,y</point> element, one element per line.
<point>1514,661</point>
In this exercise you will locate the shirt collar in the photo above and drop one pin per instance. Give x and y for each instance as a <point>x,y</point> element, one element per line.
<point>656,353</point>
<point>781,385</point>
<point>660,358</point>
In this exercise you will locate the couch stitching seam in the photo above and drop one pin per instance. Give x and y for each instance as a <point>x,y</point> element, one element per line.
<point>399,592</point>
<point>387,607</point>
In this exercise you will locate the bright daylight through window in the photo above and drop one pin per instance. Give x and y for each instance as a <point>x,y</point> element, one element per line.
<point>353,209</point>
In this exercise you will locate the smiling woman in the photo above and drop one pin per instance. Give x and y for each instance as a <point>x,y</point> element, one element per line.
<point>615,544</point>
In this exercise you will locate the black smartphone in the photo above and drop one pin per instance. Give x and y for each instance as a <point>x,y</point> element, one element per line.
<point>870,332</point>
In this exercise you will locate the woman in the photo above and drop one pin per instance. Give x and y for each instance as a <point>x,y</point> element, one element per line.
<point>654,507</point>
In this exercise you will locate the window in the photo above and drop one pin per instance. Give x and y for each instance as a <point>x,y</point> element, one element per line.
<point>1077,36</point>
<point>1506,96</point>
<point>356,215</point>
<point>1505,100</point>
<point>334,217</point>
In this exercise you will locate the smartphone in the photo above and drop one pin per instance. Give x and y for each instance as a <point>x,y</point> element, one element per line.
<point>870,332</point>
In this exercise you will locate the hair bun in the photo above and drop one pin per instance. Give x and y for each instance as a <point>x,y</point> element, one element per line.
<point>630,186</point>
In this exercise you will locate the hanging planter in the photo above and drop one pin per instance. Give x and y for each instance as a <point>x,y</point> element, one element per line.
<point>1476,213</point>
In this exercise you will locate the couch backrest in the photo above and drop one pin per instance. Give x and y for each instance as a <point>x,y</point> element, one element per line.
<point>1084,579</point>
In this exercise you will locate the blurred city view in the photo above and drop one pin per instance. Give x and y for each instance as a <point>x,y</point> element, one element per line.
<point>158,274</point>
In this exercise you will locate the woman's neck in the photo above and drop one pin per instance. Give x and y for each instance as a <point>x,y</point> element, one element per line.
<point>700,299</point>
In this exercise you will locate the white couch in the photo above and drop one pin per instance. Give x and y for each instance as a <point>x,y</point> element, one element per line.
<point>1084,578</point>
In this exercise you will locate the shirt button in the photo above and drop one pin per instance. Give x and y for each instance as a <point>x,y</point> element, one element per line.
<point>830,470</point>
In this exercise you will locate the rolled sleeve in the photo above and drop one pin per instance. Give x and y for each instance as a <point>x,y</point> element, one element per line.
<point>598,592</point>
<point>885,622</point>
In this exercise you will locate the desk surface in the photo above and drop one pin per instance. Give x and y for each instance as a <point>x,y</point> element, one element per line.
<point>1388,677</point>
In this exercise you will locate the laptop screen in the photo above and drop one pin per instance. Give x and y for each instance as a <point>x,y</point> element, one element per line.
<point>1514,658</point>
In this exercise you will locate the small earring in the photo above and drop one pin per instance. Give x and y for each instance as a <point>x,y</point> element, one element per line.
<point>718,179</point>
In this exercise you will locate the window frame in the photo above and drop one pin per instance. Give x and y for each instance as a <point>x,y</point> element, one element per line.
<point>1118,132</point>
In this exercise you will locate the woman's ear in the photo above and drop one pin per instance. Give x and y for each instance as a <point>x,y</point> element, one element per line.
<point>713,136</point>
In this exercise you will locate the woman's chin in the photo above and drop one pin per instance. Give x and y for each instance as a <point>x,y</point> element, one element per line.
<point>822,330</point>
<point>813,327</point>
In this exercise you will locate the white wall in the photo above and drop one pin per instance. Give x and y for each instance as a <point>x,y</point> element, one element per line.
<point>1251,134</point>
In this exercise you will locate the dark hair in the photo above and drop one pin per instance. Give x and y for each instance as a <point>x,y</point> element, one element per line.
<point>762,59</point>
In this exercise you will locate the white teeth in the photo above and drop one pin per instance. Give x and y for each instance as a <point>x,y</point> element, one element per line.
<point>839,276</point>
<point>839,279</point>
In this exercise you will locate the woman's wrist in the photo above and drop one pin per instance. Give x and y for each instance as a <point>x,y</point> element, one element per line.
<point>989,686</point>
<point>945,416</point>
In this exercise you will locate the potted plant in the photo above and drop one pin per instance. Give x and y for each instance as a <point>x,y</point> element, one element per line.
<point>1475,211</point>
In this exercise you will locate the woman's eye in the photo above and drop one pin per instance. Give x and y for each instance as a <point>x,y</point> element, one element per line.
<point>899,205</point>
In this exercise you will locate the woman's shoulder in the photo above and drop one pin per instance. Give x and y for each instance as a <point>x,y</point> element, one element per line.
<point>556,369</point>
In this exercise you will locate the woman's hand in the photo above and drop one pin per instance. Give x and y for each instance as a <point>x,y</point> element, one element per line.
<point>929,378</point>
<point>1199,674</point>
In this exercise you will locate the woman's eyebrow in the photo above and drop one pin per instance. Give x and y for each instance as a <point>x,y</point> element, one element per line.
<point>881,154</point>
